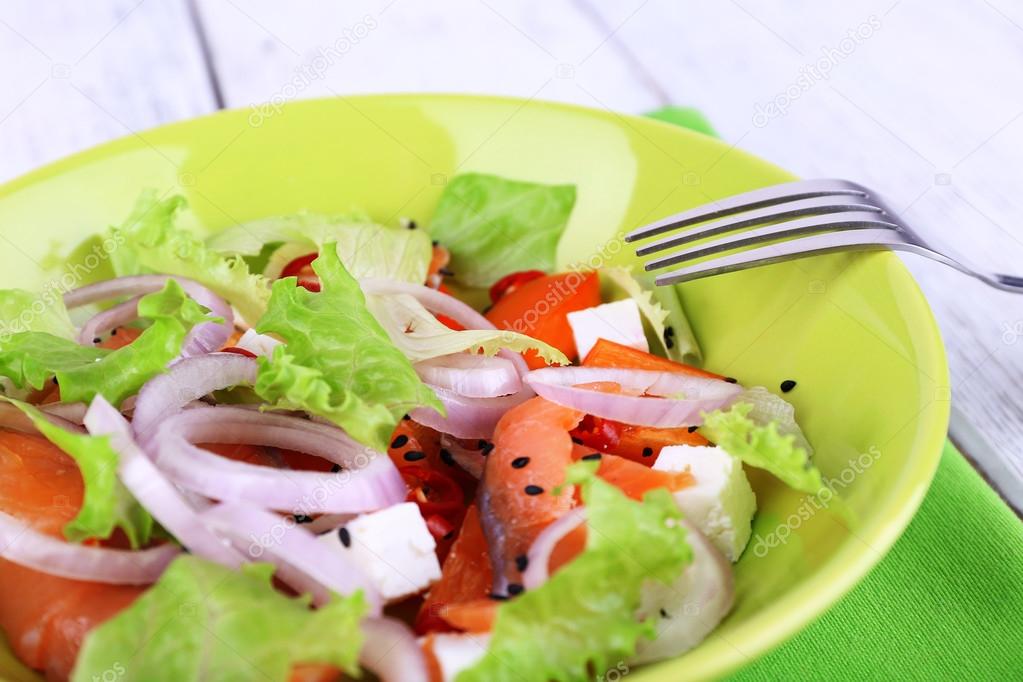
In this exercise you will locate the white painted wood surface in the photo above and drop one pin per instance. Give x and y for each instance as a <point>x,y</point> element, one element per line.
<point>923,102</point>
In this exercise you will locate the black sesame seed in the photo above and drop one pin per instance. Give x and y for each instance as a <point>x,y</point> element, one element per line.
<point>302,518</point>
<point>411,225</point>
<point>731,380</point>
<point>577,441</point>
<point>414,455</point>
<point>335,469</point>
<point>664,614</point>
<point>97,340</point>
<point>533,489</point>
<point>669,337</point>
<point>669,331</point>
<point>399,441</point>
<point>113,332</point>
<point>648,452</point>
<point>406,417</point>
<point>668,342</point>
<point>344,536</point>
<point>447,457</point>
<point>486,447</point>
<point>515,588</point>
<point>593,456</point>
<point>435,242</point>
<point>521,562</point>
<point>498,597</point>
<point>446,272</point>
<point>787,385</point>
<point>519,462</point>
<point>692,429</point>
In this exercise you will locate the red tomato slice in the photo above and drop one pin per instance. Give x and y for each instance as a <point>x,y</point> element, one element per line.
<point>539,308</point>
<point>510,283</point>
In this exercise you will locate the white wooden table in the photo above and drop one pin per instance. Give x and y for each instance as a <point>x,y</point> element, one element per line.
<point>922,100</point>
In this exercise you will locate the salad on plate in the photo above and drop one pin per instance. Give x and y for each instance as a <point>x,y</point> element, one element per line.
<point>312,447</point>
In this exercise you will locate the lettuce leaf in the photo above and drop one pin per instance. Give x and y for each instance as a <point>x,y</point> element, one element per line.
<point>204,621</point>
<point>660,308</point>
<point>31,358</point>
<point>337,361</point>
<point>420,336</point>
<point>150,241</point>
<point>762,446</point>
<point>106,504</point>
<point>583,620</point>
<point>366,249</point>
<point>493,226</point>
<point>26,311</point>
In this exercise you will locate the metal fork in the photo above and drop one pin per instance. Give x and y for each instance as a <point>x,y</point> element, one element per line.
<point>814,216</point>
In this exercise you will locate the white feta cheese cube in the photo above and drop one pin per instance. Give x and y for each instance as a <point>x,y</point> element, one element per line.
<point>457,652</point>
<point>618,321</point>
<point>393,547</point>
<point>721,502</point>
<point>258,344</point>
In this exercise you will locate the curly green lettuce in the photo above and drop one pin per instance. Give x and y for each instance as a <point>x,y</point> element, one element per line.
<point>27,311</point>
<point>151,241</point>
<point>204,621</point>
<point>493,226</point>
<point>763,446</point>
<point>30,359</point>
<point>366,248</point>
<point>106,504</point>
<point>583,620</point>
<point>337,362</point>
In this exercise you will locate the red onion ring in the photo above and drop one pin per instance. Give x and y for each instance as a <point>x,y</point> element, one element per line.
<point>158,495</point>
<point>538,569</point>
<point>167,394</point>
<point>471,375</point>
<point>369,481</point>
<point>560,385</point>
<point>21,544</point>
<point>204,338</point>
<point>391,651</point>
<point>304,563</point>
<point>467,417</point>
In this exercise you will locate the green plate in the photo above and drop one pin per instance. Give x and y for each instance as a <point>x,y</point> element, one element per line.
<point>853,330</point>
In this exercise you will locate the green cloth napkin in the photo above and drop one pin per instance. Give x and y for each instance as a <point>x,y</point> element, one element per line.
<point>945,603</point>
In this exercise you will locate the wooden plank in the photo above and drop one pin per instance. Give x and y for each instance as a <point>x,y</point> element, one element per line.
<point>267,51</point>
<point>82,73</point>
<point>916,104</point>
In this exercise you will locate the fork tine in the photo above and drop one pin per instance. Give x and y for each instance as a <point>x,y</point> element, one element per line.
<point>758,198</point>
<point>793,209</point>
<point>848,220</point>
<point>852,240</point>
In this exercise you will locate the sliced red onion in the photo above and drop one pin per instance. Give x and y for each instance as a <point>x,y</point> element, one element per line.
<point>21,544</point>
<point>14,419</point>
<point>700,394</point>
<point>391,651</point>
<point>303,563</point>
<point>440,303</point>
<point>165,395</point>
<point>538,569</point>
<point>471,460</point>
<point>367,482</point>
<point>471,375</point>
<point>204,338</point>
<point>158,495</point>
<point>695,603</point>
<point>467,417</point>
